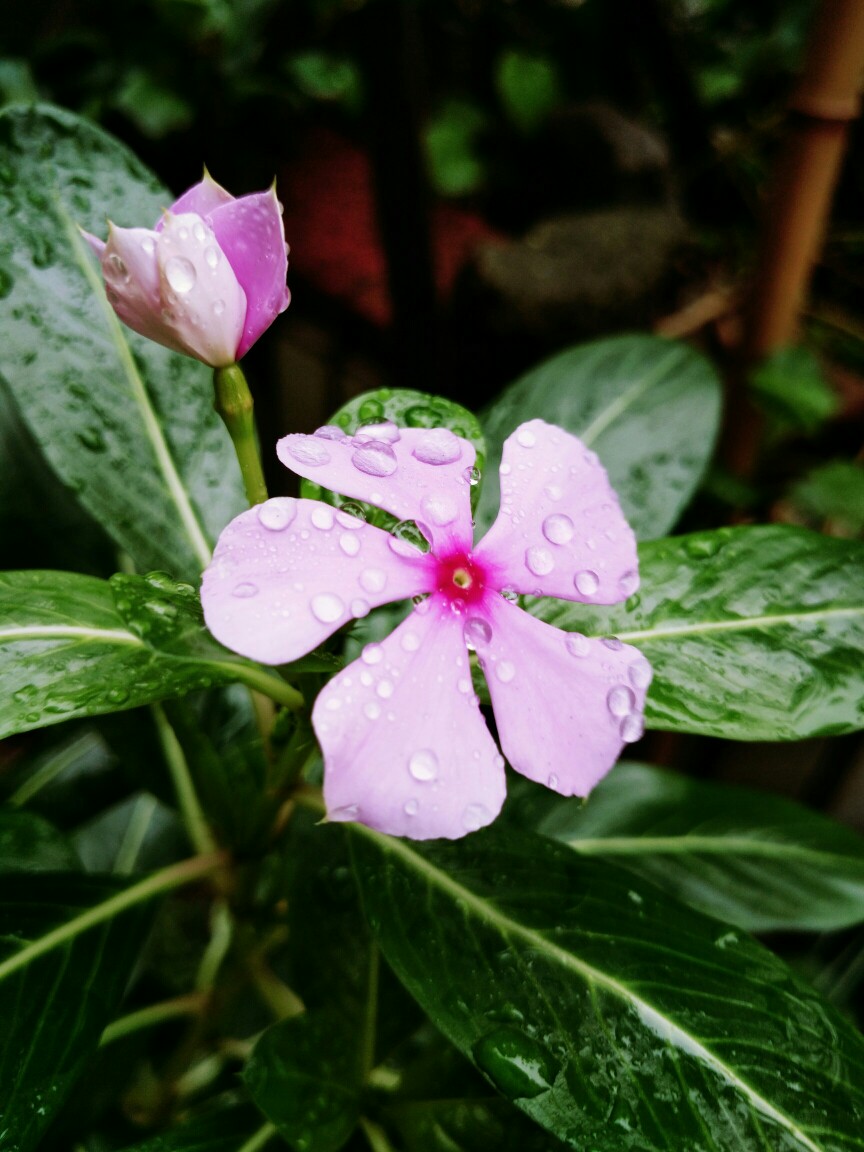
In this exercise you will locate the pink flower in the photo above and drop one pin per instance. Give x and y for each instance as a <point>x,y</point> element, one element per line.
<point>405,746</point>
<point>207,279</point>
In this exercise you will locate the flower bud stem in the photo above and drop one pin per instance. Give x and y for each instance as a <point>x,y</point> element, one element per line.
<point>233,402</point>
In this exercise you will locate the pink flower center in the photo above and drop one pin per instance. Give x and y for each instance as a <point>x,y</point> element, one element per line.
<point>461,579</point>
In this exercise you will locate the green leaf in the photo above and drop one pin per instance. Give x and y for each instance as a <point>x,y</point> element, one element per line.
<point>471,1125</point>
<point>305,1078</point>
<point>126,424</point>
<point>55,1008</point>
<point>28,843</point>
<point>222,1129</point>
<point>609,1013</point>
<point>528,87</point>
<point>455,166</point>
<point>835,492</point>
<point>406,409</point>
<point>136,835</point>
<point>792,388</point>
<point>753,633</point>
<point>754,860</point>
<point>73,645</point>
<point>649,408</point>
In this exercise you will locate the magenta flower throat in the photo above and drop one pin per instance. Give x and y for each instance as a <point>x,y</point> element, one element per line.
<point>406,749</point>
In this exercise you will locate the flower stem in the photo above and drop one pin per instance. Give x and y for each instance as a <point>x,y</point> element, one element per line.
<point>257,1141</point>
<point>233,402</point>
<point>153,1014</point>
<point>174,876</point>
<point>194,820</point>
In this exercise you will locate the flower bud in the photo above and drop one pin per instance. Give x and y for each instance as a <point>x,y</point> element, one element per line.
<point>207,279</point>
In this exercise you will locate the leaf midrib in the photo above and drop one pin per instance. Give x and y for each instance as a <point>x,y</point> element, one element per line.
<point>189,519</point>
<point>607,415</point>
<point>705,845</point>
<point>742,624</point>
<point>661,1025</point>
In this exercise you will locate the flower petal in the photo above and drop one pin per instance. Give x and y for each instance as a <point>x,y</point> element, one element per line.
<point>202,300</point>
<point>560,531</point>
<point>420,474</point>
<point>406,749</point>
<point>202,198</point>
<point>287,573</point>
<point>250,233</point>
<point>565,705</point>
<point>131,272</point>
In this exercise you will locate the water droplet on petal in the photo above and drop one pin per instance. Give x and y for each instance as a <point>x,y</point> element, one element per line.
<point>632,728</point>
<point>278,513</point>
<point>539,561</point>
<point>440,509</point>
<point>359,608</point>
<point>148,245</point>
<point>218,307</point>
<point>375,459</point>
<point>477,632</point>
<point>349,543</point>
<point>211,257</point>
<point>372,654</point>
<point>373,579</point>
<point>526,438</point>
<point>387,432</point>
<point>505,671</point>
<point>327,608</point>
<point>510,594</point>
<point>412,807</point>
<point>180,274</point>
<point>553,491</point>
<point>464,685</point>
<point>309,451</point>
<point>199,231</point>
<point>612,642</point>
<point>621,701</point>
<point>322,517</point>
<point>558,528</point>
<point>245,590</point>
<point>410,642</point>
<point>372,710</point>
<point>438,446</point>
<point>577,644</point>
<point>385,689</point>
<point>351,515</point>
<point>423,765</point>
<point>474,817</point>
<point>629,582</point>
<point>406,539</point>
<point>640,673</point>
<point>552,782</point>
<point>471,476</point>
<point>586,583</point>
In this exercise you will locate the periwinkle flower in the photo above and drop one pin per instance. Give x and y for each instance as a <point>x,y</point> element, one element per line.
<point>207,279</point>
<point>406,750</point>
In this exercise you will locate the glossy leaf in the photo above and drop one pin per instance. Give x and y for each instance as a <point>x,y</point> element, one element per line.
<point>753,633</point>
<point>649,409</point>
<point>755,860</point>
<point>28,843</point>
<point>406,409</point>
<point>55,1008</point>
<point>609,1013</point>
<point>471,1125</point>
<point>304,1075</point>
<point>76,646</point>
<point>126,424</point>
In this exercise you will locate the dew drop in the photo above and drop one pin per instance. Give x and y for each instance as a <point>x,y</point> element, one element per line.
<point>587,582</point>
<point>387,432</point>
<point>412,807</point>
<point>438,446</point>
<point>373,579</point>
<point>350,515</point>
<point>553,491</point>
<point>211,257</point>
<point>245,590</point>
<point>406,539</point>
<point>372,710</point>
<point>349,543</point>
<point>385,689</point>
<point>629,582</point>
<point>359,608</point>
<point>505,671</point>
<point>148,245</point>
<point>612,642</point>
<point>539,561</point>
<point>526,438</point>
<point>558,528</point>
<point>632,728</point>
<point>474,817</point>
<point>309,451</point>
<point>552,782</point>
<point>180,274</point>
<point>577,644</point>
<point>278,513</point>
<point>640,674</point>
<point>505,470</point>
<point>199,232</point>
<point>372,654</point>
<point>326,607</point>
<point>477,632</point>
<point>510,595</point>
<point>322,517</point>
<point>375,459</point>
<point>330,432</point>
<point>621,700</point>
<point>464,685</point>
<point>410,642</point>
<point>218,307</point>
<point>440,509</point>
<point>423,765</point>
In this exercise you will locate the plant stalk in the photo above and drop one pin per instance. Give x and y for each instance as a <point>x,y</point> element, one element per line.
<point>233,401</point>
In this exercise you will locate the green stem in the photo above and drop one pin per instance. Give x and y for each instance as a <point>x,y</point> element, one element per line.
<point>152,1015</point>
<point>234,404</point>
<point>194,819</point>
<point>259,1139</point>
<point>221,933</point>
<point>52,768</point>
<point>375,1135</point>
<point>176,875</point>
